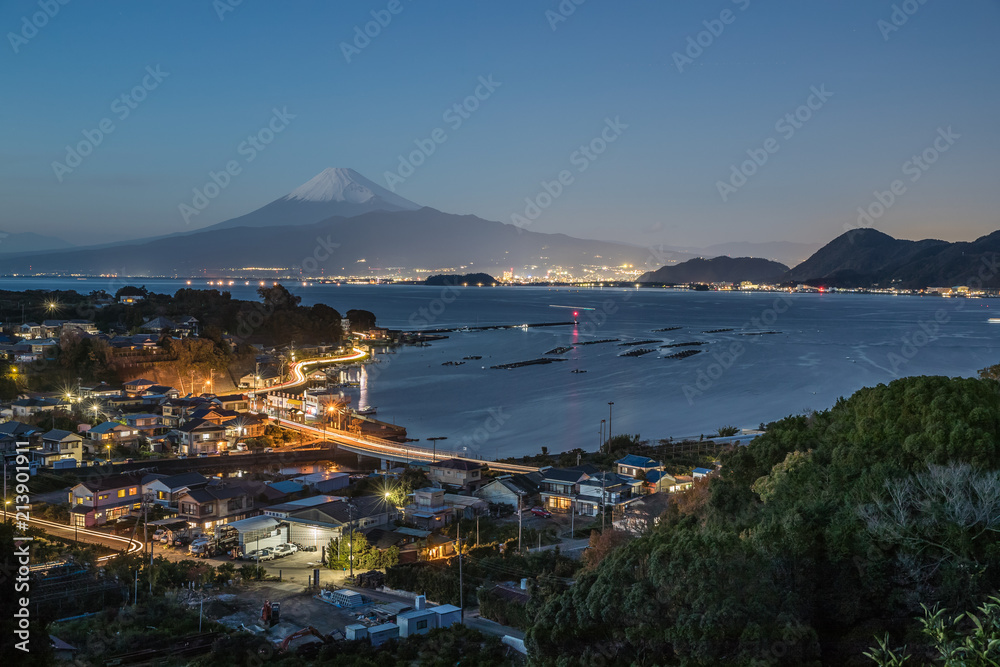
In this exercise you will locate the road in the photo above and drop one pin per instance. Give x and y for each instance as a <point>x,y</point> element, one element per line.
<point>379,447</point>
<point>367,444</point>
<point>297,370</point>
<point>86,535</point>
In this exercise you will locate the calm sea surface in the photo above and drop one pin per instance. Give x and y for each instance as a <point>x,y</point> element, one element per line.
<point>826,346</point>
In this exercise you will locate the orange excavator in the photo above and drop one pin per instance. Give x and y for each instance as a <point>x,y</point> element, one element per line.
<point>310,630</point>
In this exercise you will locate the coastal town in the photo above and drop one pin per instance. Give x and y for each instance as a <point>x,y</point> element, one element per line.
<point>251,486</point>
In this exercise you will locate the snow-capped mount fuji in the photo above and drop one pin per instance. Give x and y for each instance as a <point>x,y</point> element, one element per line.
<point>336,191</point>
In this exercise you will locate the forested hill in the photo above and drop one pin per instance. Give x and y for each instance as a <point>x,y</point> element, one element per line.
<point>795,555</point>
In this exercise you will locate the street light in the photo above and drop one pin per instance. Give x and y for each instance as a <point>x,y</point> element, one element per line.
<point>434,442</point>
<point>611,405</point>
<point>387,494</point>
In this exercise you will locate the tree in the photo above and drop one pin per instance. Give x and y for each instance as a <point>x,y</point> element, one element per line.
<point>601,545</point>
<point>965,640</point>
<point>361,320</point>
<point>278,298</point>
<point>727,431</point>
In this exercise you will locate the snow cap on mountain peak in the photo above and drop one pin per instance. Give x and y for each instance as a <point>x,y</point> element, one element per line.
<point>346,185</point>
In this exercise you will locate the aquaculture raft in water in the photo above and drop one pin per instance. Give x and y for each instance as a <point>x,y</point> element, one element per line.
<point>532,362</point>
<point>637,352</point>
<point>683,354</point>
<point>559,350</point>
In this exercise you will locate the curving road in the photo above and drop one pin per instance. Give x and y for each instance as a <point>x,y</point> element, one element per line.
<point>368,444</point>
<point>297,369</point>
<point>68,532</point>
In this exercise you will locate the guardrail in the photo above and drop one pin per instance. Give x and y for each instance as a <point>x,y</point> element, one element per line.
<point>374,444</point>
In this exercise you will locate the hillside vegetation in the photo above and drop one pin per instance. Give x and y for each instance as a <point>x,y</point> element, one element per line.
<point>830,530</point>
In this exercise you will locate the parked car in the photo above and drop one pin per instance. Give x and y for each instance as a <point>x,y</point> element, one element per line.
<point>294,546</point>
<point>542,512</point>
<point>260,554</point>
<point>159,534</point>
<point>283,550</point>
<point>269,450</point>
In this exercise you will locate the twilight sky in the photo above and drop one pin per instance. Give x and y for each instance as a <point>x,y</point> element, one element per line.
<point>219,81</point>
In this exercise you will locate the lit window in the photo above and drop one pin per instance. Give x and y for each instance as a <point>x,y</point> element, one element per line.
<point>121,493</point>
<point>134,490</point>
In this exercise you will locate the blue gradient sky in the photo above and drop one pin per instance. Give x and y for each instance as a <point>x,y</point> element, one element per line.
<point>656,184</point>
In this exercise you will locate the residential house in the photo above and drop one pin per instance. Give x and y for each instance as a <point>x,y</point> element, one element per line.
<point>212,505</point>
<point>608,490</point>
<point>512,490</point>
<point>146,423</point>
<point>643,514</point>
<point>702,472</point>
<point>82,326</point>
<point>135,387</point>
<point>187,325</point>
<point>200,437</point>
<point>246,425</point>
<point>266,378</point>
<point>167,490</point>
<point>178,410</point>
<point>15,435</point>
<point>658,481</point>
<point>112,433</point>
<point>457,472</point>
<point>28,407</point>
<point>44,348</point>
<point>634,465</point>
<point>30,330</point>
<point>232,402</point>
<point>324,482</point>
<point>428,509</point>
<point>101,390</point>
<point>158,325</point>
<point>560,487</point>
<point>98,501</point>
<point>58,444</point>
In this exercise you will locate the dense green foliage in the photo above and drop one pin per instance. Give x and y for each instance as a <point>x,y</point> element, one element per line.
<point>967,639</point>
<point>366,556</point>
<point>828,530</point>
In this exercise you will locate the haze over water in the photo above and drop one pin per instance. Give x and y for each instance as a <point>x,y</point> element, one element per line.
<point>829,346</point>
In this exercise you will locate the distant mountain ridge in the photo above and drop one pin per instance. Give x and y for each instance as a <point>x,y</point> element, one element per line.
<point>718,270</point>
<point>364,244</point>
<point>29,242</point>
<point>868,257</point>
<point>785,252</point>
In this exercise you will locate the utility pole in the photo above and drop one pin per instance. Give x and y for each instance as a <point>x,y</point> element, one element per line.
<point>519,523</point>
<point>572,518</point>
<point>351,508</point>
<point>604,477</point>
<point>600,445</point>
<point>477,530</point>
<point>611,405</point>
<point>461,591</point>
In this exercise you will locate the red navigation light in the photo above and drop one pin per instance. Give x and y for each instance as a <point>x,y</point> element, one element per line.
<point>575,313</point>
